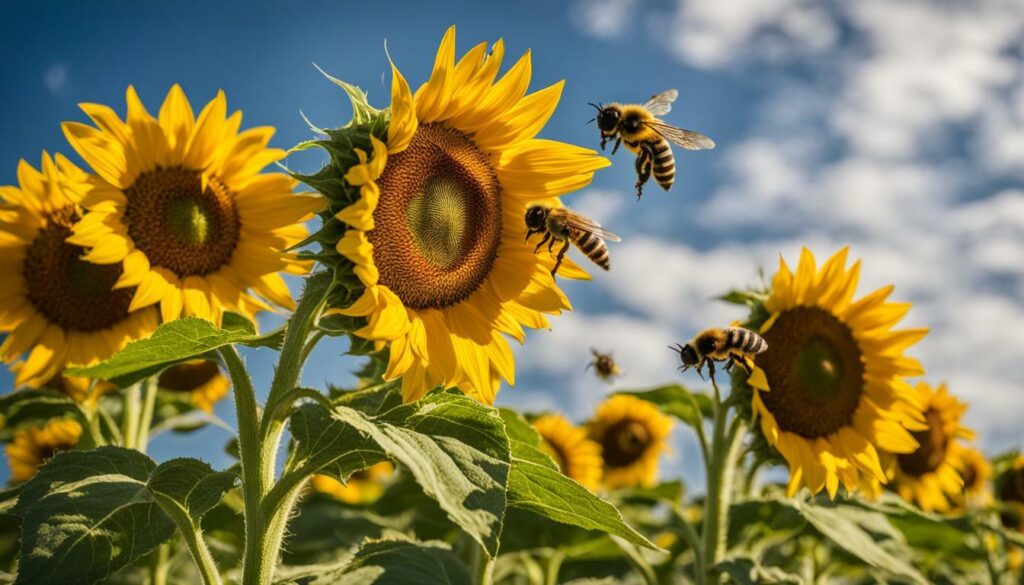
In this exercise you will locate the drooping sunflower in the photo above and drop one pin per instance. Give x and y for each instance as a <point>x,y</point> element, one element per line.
<point>577,456</point>
<point>632,434</point>
<point>33,447</point>
<point>54,306</point>
<point>181,209</point>
<point>363,487</point>
<point>976,473</point>
<point>437,235</point>
<point>830,390</point>
<point>930,476</point>
<point>202,380</point>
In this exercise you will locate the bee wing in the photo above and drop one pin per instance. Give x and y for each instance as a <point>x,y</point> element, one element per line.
<point>688,139</point>
<point>577,221</point>
<point>661,103</point>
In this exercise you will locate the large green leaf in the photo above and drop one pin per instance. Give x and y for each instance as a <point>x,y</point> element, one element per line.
<point>86,514</point>
<point>675,400</point>
<point>388,562</point>
<point>857,536</point>
<point>536,484</point>
<point>189,484</point>
<point>747,571</point>
<point>455,448</point>
<point>30,408</point>
<point>170,343</point>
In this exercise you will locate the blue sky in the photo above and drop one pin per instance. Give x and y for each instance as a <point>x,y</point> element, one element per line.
<point>897,129</point>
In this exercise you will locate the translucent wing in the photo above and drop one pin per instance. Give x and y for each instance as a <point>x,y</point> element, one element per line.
<point>577,221</point>
<point>661,103</point>
<point>688,139</point>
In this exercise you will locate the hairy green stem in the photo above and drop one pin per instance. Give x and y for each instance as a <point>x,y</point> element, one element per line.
<point>158,571</point>
<point>146,417</point>
<point>554,566</point>
<point>130,416</point>
<point>725,449</point>
<point>691,538</point>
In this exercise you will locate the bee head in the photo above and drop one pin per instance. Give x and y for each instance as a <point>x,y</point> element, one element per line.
<point>687,355</point>
<point>608,118</point>
<point>536,215</point>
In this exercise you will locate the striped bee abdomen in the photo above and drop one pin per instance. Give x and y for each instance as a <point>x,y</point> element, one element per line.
<point>663,161</point>
<point>745,340</point>
<point>593,246</point>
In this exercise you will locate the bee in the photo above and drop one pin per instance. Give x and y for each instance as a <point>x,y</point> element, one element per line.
<point>735,344</point>
<point>563,225</point>
<point>648,137</point>
<point>604,366</point>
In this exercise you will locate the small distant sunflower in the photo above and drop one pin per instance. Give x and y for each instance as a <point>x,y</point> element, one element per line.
<point>830,389</point>
<point>438,233</point>
<point>1010,492</point>
<point>202,380</point>
<point>632,434</point>
<point>976,473</point>
<point>930,475</point>
<point>33,447</point>
<point>181,210</point>
<point>54,306</point>
<point>577,456</point>
<point>363,487</point>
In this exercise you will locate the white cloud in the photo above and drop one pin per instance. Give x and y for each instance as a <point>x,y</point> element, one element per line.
<point>604,18</point>
<point>56,77</point>
<point>896,132</point>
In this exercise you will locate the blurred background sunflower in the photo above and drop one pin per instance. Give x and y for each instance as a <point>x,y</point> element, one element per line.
<point>577,456</point>
<point>632,434</point>
<point>362,487</point>
<point>201,380</point>
<point>33,447</point>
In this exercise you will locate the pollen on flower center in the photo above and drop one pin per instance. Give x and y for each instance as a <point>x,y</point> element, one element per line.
<point>180,225</point>
<point>814,369</point>
<point>624,443</point>
<point>437,226</point>
<point>70,292</point>
<point>932,450</point>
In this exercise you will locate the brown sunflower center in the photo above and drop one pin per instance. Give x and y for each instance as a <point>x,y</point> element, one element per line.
<point>814,369</point>
<point>70,292</point>
<point>625,442</point>
<point>437,226</point>
<point>178,224</point>
<point>970,476</point>
<point>932,450</point>
<point>188,376</point>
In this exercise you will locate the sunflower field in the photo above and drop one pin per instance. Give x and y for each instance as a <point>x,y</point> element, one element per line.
<point>132,283</point>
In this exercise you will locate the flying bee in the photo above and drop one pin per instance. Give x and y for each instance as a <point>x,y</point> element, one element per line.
<point>648,137</point>
<point>604,366</point>
<point>716,344</point>
<point>563,225</point>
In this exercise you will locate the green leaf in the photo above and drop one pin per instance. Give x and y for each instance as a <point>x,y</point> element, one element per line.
<point>30,408</point>
<point>851,536</point>
<point>170,343</point>
<point>747,571</point>
<point>86,514</point>
<point>189,484</point>
<point>362,111</point>
<point>537,485</point>
<point>390,562</point>
<point>690,407</point>
<point>455,448</point>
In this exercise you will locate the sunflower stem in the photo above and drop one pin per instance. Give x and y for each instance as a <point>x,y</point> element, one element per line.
<point>725,448</point>
<point>146,418</point>
<point>130,416</point>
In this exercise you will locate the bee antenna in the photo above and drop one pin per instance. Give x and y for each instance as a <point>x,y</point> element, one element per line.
<point>590,120</point>
<point>597,107</point>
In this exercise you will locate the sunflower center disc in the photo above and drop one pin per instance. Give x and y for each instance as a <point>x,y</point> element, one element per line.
<point>188,376</point>
<point>929,456</point>
<point>437,226</point>
<point>72,293</point>
<point>180,226</point>
<point>814,369</point>
<point>624,443</point>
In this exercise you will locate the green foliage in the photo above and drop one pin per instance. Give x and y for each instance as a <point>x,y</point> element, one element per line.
<point>389,562</point>
<point>673,399</point>
<point>31,408</point>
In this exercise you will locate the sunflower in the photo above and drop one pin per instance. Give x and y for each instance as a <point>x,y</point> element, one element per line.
<point>830,389</point>
<point>976,473</point>
<point>53,305</point>
<point>82,390</point>
<point>632,434</point>
<point>931,475</point>
<point>577,456</point>
<point>181,210</point>
<point>362,487</point>
<point>33,447</point>
<point>1010,491</point>
<point>202,380</point>
<point>437,235</point>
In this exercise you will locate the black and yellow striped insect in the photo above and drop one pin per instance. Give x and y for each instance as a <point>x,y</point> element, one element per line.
<point>648,137</point>
<point>563,225</point>
<point>717,344</point>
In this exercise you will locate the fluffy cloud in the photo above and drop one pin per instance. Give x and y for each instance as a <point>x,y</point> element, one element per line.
<point>891,127</point>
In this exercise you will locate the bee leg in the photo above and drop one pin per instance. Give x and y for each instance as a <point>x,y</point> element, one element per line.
<point>729,364</point>
<point>618,142</point>
<point>558,259</point>
<point>604,141</point>
<point>643,170</point>
<point>542,242</point>
<point>711,371</point>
